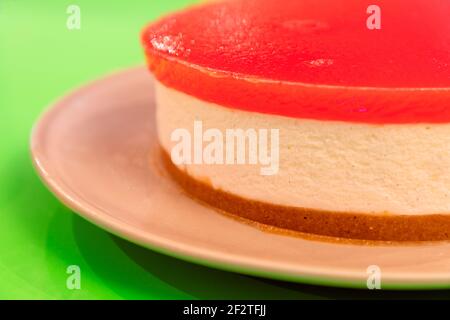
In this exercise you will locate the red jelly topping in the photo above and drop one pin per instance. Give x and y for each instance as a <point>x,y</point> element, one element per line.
<point>313,59</point>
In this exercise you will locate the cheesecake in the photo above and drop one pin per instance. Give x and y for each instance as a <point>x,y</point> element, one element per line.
<point>346,128</point>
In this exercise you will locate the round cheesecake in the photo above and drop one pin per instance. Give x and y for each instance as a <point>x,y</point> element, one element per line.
<point>362,114</point>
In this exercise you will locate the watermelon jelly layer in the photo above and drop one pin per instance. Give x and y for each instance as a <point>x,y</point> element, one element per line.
<point>310,59</point>
<point>363,115</point>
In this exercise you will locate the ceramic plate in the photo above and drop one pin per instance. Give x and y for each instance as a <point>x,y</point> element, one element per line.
<point>97,151</point>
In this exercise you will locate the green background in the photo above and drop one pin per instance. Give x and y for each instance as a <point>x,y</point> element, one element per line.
<point>41,60</point>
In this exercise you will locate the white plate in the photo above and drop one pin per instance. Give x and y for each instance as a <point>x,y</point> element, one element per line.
<point>97,151</point>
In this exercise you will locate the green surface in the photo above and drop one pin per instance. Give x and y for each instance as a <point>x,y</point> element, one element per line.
<point>40,60</point>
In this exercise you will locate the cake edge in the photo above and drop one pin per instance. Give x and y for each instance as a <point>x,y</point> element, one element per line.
<point>344,225</point>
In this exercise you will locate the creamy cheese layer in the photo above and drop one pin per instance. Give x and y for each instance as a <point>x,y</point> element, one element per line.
<point>323,165</point>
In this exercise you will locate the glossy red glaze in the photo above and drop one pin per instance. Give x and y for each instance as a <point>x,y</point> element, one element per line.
<point>310,58</point>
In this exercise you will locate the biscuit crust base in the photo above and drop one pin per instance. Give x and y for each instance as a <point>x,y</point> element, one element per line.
<point>358,226</point>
